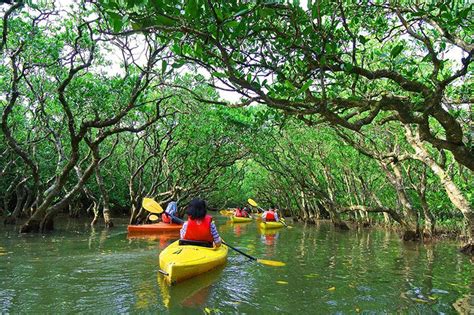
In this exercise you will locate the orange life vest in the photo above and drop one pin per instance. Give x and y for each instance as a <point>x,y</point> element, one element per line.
<point>199,230</point>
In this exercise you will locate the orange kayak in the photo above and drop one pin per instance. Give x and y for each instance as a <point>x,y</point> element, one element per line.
<point>154,228</point>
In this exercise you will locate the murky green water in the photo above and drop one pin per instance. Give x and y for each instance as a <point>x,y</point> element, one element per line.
<point>78,270</point>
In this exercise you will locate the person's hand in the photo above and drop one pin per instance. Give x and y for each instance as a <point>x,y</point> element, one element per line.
<point>217,245</point>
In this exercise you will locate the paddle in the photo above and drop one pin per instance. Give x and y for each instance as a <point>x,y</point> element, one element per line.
<point>151,205</point>
<point>253,203</point>
<point>267,262</point>
<point>154,207</point>
<point>153,217</point>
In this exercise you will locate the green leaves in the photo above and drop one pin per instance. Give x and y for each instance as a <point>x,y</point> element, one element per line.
<point>396,50</point>
<point>164,64</point>
<point>192,9</point>
<point>306,86</point>
<point>116,21</point>
<point>347,67</point>
<point>363,39</point>
<point>218,74</point>
<point>163,20</point>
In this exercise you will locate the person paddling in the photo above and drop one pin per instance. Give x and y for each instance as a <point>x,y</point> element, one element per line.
<point>270,215</point>
<point>199,228</point>
<point>170,214</point>
<point>241,213</point>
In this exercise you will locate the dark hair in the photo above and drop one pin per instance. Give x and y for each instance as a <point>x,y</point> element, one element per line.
<point>196,208</point>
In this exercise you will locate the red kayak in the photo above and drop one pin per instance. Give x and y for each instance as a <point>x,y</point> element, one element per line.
<point>154,228</point>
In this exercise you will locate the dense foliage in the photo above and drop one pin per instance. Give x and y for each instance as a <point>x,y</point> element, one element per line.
<point>350,110</point>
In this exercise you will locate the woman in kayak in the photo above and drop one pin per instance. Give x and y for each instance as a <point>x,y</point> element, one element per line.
<point>170,213</point>
<point>241,213</point>
<point>270,215</point>
<point>199,226</point>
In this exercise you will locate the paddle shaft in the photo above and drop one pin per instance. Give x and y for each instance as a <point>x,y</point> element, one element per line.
<point>176,219</point>
<point>239,251</point>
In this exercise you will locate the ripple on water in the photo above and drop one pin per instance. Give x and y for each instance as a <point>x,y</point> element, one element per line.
<point>371,272</point>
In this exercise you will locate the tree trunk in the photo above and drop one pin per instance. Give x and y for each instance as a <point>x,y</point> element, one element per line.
<point>43,217</point>
<point>335,216</point>
<point>20,197</point>
<point>95,210</point>
<point>47,224</point>
<point>452,190</point>
<point>430,220</point>
<point>409,223</point>
<point>105,198</point>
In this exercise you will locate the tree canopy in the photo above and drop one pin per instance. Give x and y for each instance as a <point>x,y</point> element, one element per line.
<point>349,110</point>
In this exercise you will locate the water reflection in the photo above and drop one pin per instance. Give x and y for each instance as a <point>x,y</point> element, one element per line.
<point>269,237</point>
<point>192,293</point>
<point>240,228</point>
<point>163,239</point>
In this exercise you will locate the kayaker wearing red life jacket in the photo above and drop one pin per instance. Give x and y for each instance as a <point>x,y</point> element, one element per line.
<point>241,213</point>
<point>199,226</point>
<point>270,215</point>
<point>170,212</point>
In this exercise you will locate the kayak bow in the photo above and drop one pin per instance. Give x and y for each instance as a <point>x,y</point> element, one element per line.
<point>181,262</point>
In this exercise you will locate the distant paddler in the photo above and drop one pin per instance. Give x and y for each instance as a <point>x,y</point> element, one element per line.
<point>242,213</point>
<point>170,215</point>
<point>270,215</point>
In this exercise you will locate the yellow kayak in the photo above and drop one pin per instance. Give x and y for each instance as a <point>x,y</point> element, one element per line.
<point>271,225</point>
<point>181,262</point>
<point>227,212</point>
<point>240,219</point>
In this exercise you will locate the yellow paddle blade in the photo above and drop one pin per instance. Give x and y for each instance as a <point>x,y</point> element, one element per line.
<point>273,263</point>
<point>252,202</point>
<point>151,205</point>
<point>153,217</point>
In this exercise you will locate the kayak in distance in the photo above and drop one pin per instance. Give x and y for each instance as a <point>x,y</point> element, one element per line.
<point>271,225</point>
<point>240,219</point>
<point>154,228</point>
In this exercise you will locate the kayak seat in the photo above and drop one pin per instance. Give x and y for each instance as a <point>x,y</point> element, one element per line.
<point>196,243</point>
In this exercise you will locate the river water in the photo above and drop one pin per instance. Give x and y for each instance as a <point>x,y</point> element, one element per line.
<point>76,269</point>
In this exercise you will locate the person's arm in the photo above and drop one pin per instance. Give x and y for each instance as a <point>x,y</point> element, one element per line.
<point>276,217</point>
<point>182,232</point>
<point>215,235</point>
<point>172,208</point>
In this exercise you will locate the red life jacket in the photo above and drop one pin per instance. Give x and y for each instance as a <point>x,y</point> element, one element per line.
<point>199,230</point>
<point>270,216</point>
<point>165,218</point>
<point>241,213</point>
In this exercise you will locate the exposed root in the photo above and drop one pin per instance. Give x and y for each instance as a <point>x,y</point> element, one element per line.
<point>410,236</point>
<point>341,225</point>
<point>32,226</point>
<point>468,249</point>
